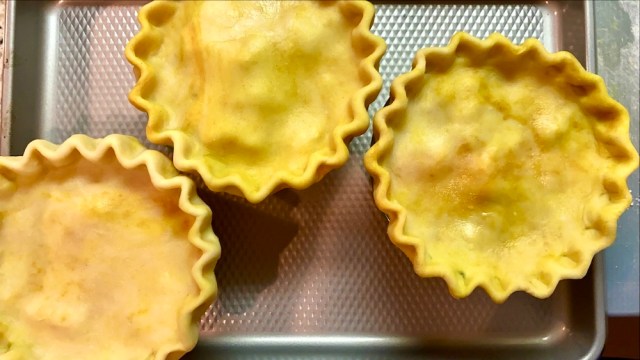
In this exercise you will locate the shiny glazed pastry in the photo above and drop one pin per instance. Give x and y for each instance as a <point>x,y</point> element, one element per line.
<point>256,95</point>
<point>500,166</point>
<point>105,253</point>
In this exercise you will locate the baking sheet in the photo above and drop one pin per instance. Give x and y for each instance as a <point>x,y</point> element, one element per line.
<point>308,272</point>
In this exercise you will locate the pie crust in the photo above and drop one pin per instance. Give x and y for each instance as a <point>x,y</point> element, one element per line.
<point>500,166</point>
<point>106,252</point>
<point>256,96</point>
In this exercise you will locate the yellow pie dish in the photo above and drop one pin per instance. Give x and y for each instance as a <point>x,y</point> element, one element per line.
<point>500,166</point>
<point>106,252</point>
<point>256,96</point>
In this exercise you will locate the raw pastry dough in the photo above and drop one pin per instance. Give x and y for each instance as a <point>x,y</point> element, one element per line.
<point>105,253</point>
<point>256,95</point>
<point>501,166</point>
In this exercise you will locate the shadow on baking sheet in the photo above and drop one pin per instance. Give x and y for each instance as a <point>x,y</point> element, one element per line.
<point>252,239</point>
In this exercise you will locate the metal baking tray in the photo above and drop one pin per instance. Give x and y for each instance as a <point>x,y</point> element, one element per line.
<point>309,273</point>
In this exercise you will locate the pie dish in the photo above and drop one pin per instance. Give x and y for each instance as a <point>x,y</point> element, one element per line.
<point>500,166</point>
<point>105,253</point>
<point>256,96</point>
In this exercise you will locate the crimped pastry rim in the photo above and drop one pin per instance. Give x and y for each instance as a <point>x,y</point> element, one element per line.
<point>317,166</point>
<point>397,214</point>
<point>130,153</point>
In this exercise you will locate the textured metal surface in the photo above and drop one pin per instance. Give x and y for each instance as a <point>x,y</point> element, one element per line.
<point>307,271</point>
<point>92,77</point>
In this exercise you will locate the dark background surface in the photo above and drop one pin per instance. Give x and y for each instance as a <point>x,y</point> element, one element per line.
<point>623,338</point>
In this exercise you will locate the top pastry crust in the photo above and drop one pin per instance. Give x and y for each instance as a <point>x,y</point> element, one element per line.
<point>501,166</point>
<point>256,95</point>
<point>105,253</point>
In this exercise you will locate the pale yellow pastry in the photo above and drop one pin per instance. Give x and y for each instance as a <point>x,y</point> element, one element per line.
<point>500,166</point>
<point>105,253</point>
<point>256,95</point>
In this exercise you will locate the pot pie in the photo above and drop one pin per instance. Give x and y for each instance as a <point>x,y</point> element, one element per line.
<point>256,96</point>
<point>105,253</point>
<point>500,166</point>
